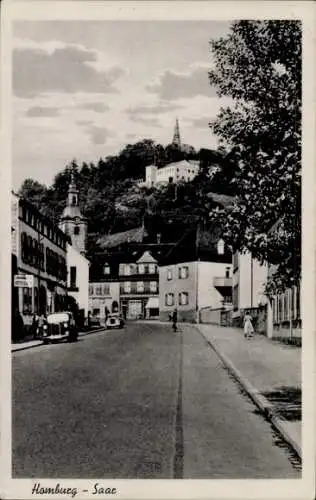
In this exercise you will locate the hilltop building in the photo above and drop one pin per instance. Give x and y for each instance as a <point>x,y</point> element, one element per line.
<point>176,141</point>
<point>179,171</point>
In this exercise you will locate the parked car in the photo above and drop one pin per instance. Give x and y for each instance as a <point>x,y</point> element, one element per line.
<point>114,321</point>
<point>59,326</point>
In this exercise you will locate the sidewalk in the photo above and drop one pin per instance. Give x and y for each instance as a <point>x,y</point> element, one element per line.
<point>269,372</point>
<point>21,346</point>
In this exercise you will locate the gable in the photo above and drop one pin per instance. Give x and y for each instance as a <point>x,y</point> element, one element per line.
<point>146,258</point>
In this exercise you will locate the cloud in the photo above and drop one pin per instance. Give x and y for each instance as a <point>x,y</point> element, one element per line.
<point>99,135</point>
<point>98,107</point>
<point>171,85</point>
<point>64,69</point>
<point>156,109</point>
<point>84,123</point>
<point>39,111</point>
<point>201,122</point>
<point>153,122</point>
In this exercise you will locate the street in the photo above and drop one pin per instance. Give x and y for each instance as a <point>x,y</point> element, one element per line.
<point>141,402</point>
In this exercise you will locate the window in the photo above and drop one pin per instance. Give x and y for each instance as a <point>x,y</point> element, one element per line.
<point>73,277</point>
<point>90,289</point>
<point>183,298</point>
<point>152,268</point>
<point>220,247</point>
<point>127,270</point>
<point>106,289</point>
<point>183,272</point>
<point>169,299</point>
<point>169,274</point>
<point>127,286</point>
<point>74,200</point>
<point>27,300</point>
<point>153,286</point>
<point>227,272</point>
<point>141,269</point>
<point>76,230</point>
<point>98,289</point>
<point>95,312</point>
<point>140,286</point>
<point>106,269</point>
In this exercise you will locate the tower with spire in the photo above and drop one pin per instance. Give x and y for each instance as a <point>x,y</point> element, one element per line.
<point>72,222</point>
<point>176,141</point>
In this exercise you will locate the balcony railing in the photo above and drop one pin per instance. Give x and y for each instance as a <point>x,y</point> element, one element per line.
<point>222,282</point>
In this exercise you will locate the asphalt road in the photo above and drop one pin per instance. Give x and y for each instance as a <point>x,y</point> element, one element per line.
<point>142,402</point>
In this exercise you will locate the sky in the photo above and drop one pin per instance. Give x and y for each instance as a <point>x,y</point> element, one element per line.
<point>84,89</point>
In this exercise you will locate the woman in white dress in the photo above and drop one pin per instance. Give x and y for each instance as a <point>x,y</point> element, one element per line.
<point>248,328</point>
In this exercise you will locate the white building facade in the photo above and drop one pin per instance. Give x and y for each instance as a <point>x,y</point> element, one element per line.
<point>78,278</point>
<point>40,248</point>
<point>74,224</point>
<point>249,279</point>
<point>180,171</point>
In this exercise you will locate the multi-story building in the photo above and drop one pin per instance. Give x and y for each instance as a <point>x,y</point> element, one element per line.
<point>74,224</point>
<point>40,249</point>
<point>249,279</point>
<point>126,281</point>
<point>194,275</point>
<point>179,171</point>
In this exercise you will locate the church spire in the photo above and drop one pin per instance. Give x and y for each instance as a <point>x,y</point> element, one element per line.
<point>72,190</point>
<point>176,136</point>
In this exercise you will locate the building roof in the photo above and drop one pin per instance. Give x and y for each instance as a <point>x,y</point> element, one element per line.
<point>44,218</point>
<point>198,244</point>
<point>71,212</point>
<point>182,163</point>
<point>146,258</point>
<point>114,240</point>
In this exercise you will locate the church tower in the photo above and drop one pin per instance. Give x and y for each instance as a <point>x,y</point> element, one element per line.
<point>176,136</point>
<point>72,222</point>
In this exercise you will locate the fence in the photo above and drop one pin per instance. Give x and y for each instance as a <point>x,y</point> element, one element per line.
<point>218,316</point>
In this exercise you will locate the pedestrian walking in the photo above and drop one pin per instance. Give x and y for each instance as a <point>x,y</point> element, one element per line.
<point>174,320</point>
<point>35,325</point>
<point>248,327</point>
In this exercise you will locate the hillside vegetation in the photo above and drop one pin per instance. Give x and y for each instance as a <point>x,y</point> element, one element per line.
<point>112,201</point>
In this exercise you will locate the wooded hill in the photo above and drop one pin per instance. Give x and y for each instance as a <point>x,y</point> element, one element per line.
<point>112,201</point>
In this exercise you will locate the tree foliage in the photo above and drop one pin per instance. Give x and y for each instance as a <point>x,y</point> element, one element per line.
<point>258,65</point>
<point>112,201</point>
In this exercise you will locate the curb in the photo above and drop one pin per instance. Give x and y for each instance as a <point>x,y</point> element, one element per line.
<point>260,401</point>
<point>83,334</point>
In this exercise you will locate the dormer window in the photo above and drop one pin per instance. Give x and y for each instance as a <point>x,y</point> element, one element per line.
<point>220,247</point>
<point>106,269</point>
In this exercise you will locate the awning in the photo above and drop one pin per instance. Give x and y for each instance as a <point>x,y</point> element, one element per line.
<point>153,303</point>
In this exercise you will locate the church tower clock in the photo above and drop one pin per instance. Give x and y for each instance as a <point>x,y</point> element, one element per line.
<point>72,222</point>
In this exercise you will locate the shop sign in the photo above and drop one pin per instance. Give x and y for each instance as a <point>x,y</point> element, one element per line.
<point>24,280</point>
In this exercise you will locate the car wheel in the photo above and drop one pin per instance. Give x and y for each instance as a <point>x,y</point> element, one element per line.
<point>45,342</point>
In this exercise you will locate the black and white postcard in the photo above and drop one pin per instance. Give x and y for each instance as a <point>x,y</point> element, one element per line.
<point>158,250</point>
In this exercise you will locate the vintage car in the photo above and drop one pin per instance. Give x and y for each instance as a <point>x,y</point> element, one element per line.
<point>114,321</point>
<point>59,326</point>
